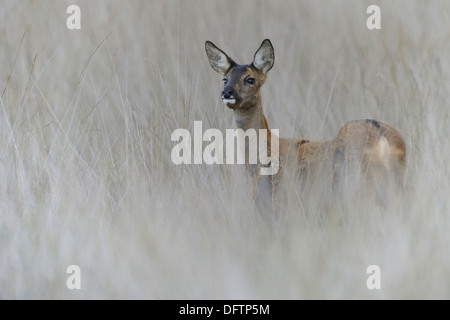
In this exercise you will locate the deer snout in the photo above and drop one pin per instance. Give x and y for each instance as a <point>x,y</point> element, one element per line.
<point>228,96</point>
<point>228,93</point>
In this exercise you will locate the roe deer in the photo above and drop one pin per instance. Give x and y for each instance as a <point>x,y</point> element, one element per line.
<point>367,150</point>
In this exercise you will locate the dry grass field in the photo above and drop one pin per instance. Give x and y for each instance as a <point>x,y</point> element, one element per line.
<point>86,176</point>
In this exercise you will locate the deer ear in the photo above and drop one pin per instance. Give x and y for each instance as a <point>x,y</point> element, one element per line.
<point>218,59</point>
<point>264,57</point>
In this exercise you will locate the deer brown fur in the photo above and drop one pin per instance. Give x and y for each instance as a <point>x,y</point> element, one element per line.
<point>368,149</point>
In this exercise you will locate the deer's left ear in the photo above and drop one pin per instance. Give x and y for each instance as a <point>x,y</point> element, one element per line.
<point>264,57</point>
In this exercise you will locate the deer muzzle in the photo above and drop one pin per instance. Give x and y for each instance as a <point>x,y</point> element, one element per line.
<point>228,96</point>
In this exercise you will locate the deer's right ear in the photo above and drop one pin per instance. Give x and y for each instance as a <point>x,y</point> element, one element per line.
<point>218,59</point>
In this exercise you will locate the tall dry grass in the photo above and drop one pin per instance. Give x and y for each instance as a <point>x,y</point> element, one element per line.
<point>85,169</point>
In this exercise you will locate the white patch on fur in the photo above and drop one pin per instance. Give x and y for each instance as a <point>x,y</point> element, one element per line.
<point>383,152</point>
<point>229,101</point>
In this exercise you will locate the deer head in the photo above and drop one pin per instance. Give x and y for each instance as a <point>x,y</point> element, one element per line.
<point>242,83</point>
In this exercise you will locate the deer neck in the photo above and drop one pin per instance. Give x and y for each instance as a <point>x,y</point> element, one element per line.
<point>251,116</point>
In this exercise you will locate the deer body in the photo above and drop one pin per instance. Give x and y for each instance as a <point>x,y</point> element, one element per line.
<point>367,149</point>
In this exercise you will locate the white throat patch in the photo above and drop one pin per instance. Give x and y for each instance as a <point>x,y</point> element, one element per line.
<point>229,101</point>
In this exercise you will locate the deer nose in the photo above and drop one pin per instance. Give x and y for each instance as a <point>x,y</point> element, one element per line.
<point>227,93</point>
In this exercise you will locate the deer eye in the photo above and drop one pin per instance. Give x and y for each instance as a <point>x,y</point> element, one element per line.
<point>225,81</point>
<point>250,80</point>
